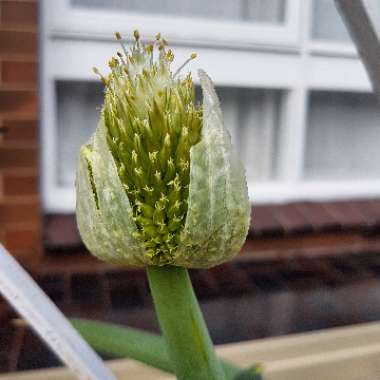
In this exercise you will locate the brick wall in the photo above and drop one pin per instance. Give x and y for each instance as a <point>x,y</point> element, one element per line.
<point>20,219</point>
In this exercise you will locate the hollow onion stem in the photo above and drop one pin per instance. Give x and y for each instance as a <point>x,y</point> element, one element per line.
<point>188,342</point>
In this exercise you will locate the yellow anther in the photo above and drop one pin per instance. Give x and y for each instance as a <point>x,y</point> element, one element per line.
<point>118,36</point>
<point>113,63</point>
<point>193,55</point>
<point>158,36</point>
<point>136,34</point>
<point>149,48</point>
<point>170,55</point>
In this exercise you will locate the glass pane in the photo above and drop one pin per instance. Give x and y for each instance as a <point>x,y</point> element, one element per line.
<point>327,23</point>
<point>250,115</point>
<point>78,106</point>
<point>373,9</point>
<point>267,11</point>
<point>343,136</point>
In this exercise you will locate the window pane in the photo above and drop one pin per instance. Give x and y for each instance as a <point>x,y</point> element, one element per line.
<point>78,105</point>
<point>327,23</point>
<point>267,11</point>
<point>373,10</point>
<point>343,136</point>
<point>250,115</point>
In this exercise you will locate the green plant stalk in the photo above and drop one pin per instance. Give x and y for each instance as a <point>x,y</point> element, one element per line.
<point>122,341</point>
<point>188,342</point>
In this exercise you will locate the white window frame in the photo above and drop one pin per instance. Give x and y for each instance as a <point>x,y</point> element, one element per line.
<point>73,40</point>
<point>67,21</point>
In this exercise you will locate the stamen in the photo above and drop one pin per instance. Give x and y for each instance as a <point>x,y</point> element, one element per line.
<point>102,78</point>
<point>118,37</point>
<point>121,58</point>
<point>113,63</point>
<point>170,55</point>
<point>149,49</point>
<point>192,56</point>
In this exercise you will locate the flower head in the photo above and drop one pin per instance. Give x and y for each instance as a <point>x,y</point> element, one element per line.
<point>159,182</point>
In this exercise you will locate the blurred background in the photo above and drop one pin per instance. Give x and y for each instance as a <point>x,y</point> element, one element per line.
<point>300,109</point>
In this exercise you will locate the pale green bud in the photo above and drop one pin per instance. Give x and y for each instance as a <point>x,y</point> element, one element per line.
<point>159,182</point>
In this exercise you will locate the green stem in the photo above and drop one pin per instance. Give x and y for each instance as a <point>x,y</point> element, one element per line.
<point>184,329</point>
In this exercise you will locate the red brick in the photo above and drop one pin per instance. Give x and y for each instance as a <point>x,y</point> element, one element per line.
<point>291,219</point>
<point>22,239</point>
<point>264,221</point>
<point>18,42</point>
<point>19,13</point>
<point>18,101</point>
<point>15,184</point>
<point>25,157</point>
<point>19,72</point>
<point>20,130</point>
<point>61,231</point>
<point>22,212</point>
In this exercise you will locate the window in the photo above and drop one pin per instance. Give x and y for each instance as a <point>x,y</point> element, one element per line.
<point>295,96</point>
<point>229,23</point>
<point>78,106</point>
<point>270,11</point>
<point>252,118</point>
<point>343,136</point>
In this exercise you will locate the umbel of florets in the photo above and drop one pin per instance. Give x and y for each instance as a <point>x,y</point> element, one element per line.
<point>159,182</point>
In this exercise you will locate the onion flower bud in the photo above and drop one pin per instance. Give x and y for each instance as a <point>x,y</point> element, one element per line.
<point>159,182</point>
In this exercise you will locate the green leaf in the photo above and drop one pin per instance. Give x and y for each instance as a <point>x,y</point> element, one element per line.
<point>136,344</point>
<point>145,347</point>
<point>125,342</point>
